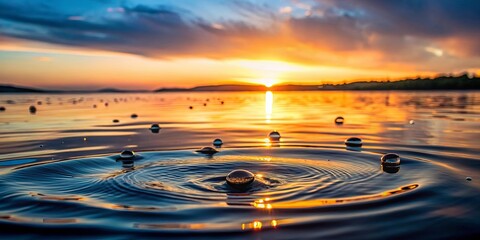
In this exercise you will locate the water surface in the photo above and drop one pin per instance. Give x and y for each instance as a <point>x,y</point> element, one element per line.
<point>60,174</point>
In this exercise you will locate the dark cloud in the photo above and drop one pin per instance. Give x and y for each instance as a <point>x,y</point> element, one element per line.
<point>400,30</point>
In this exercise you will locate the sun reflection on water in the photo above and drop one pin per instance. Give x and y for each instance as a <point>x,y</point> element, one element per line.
<point>268,106</point>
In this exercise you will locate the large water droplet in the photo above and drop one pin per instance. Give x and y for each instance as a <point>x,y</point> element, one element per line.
<point>339,120</point>
<point>353,142</point>
<point>207,150</point>
<point>274,136</point>
<point>240,178</point>
<point>127,154</point>
<point>390,159</point>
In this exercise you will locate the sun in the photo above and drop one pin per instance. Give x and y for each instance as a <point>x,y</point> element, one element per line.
<point>268,82</point>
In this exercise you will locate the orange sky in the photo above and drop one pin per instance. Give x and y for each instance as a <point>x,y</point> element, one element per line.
<point>143,46</point>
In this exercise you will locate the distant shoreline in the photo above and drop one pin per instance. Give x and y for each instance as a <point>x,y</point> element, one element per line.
<point>441,83</point>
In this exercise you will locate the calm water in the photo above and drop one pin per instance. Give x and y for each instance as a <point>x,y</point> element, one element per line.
<point>60,174</point>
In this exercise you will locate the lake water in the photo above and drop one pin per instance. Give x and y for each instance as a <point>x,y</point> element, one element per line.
<point>60,173</point>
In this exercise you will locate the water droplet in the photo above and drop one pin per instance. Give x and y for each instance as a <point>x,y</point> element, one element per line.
<point>468,178</point>
<point>41,146</point>
<point>390,159</point>
<point>217,142</point>
<point>274,136</point>
<point>339,120</point>
<point>353,142</point>
<point>240,178</point>
<point>127,154</point>
<point>84,139</point>
<point>134,115</point>
<point>2,108</point>
<point>32,109</point>
<point>115,120</point>
<point>207,150</point>
<point>155,128</point>
<point>411,122</point>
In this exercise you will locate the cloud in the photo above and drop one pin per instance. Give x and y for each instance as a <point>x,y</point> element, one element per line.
<point>371,33</point>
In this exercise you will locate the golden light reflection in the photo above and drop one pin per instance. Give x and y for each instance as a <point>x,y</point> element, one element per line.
<point>257,225</point>
<point>268,106</point>
<point>263,203</point>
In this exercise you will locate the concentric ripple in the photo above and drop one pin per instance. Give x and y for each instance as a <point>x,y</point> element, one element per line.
<point>294,189</point>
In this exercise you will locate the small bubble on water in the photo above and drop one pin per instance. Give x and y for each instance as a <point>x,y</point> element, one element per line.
<point>84,139</point>
<point>32,109</point>
<point>390,159</point>
<point>240,178</point>
<point>339,120</point>
<point>354,142</point>
<point>274,136</point>
<point>41,146</point>
<point>155,128</point>
<point>468,178</point>
<point>411,122</point>
<point>217,142</point>
<point>207,150</point>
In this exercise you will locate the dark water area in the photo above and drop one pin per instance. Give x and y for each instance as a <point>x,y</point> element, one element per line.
<point>61,174</point>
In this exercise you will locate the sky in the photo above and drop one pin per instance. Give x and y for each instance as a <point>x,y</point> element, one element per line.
<point>150,44</point>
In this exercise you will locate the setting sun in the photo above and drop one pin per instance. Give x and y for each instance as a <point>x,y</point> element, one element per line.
<point>268,82</point>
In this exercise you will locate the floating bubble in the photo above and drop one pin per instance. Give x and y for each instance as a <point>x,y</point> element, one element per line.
<point>155,128</point>
<point>2,108</point>
<point>390,159</point>
<point>41,146</point>
<point>217,142</point>
<point>127,154</point>
<point>411,122</point>
<point>353,142</point>
<point>207,150</point>
<point>274,136</point>
<point>468,178</point>
<point>339,120</point>
<point>32,109</point>
<point>240,178</point>
<point>134,115</point>
<point>115,120</point>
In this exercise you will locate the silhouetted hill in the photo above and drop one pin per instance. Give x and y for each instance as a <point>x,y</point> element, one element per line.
<point>462,82</point>
<point>14,89</point>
